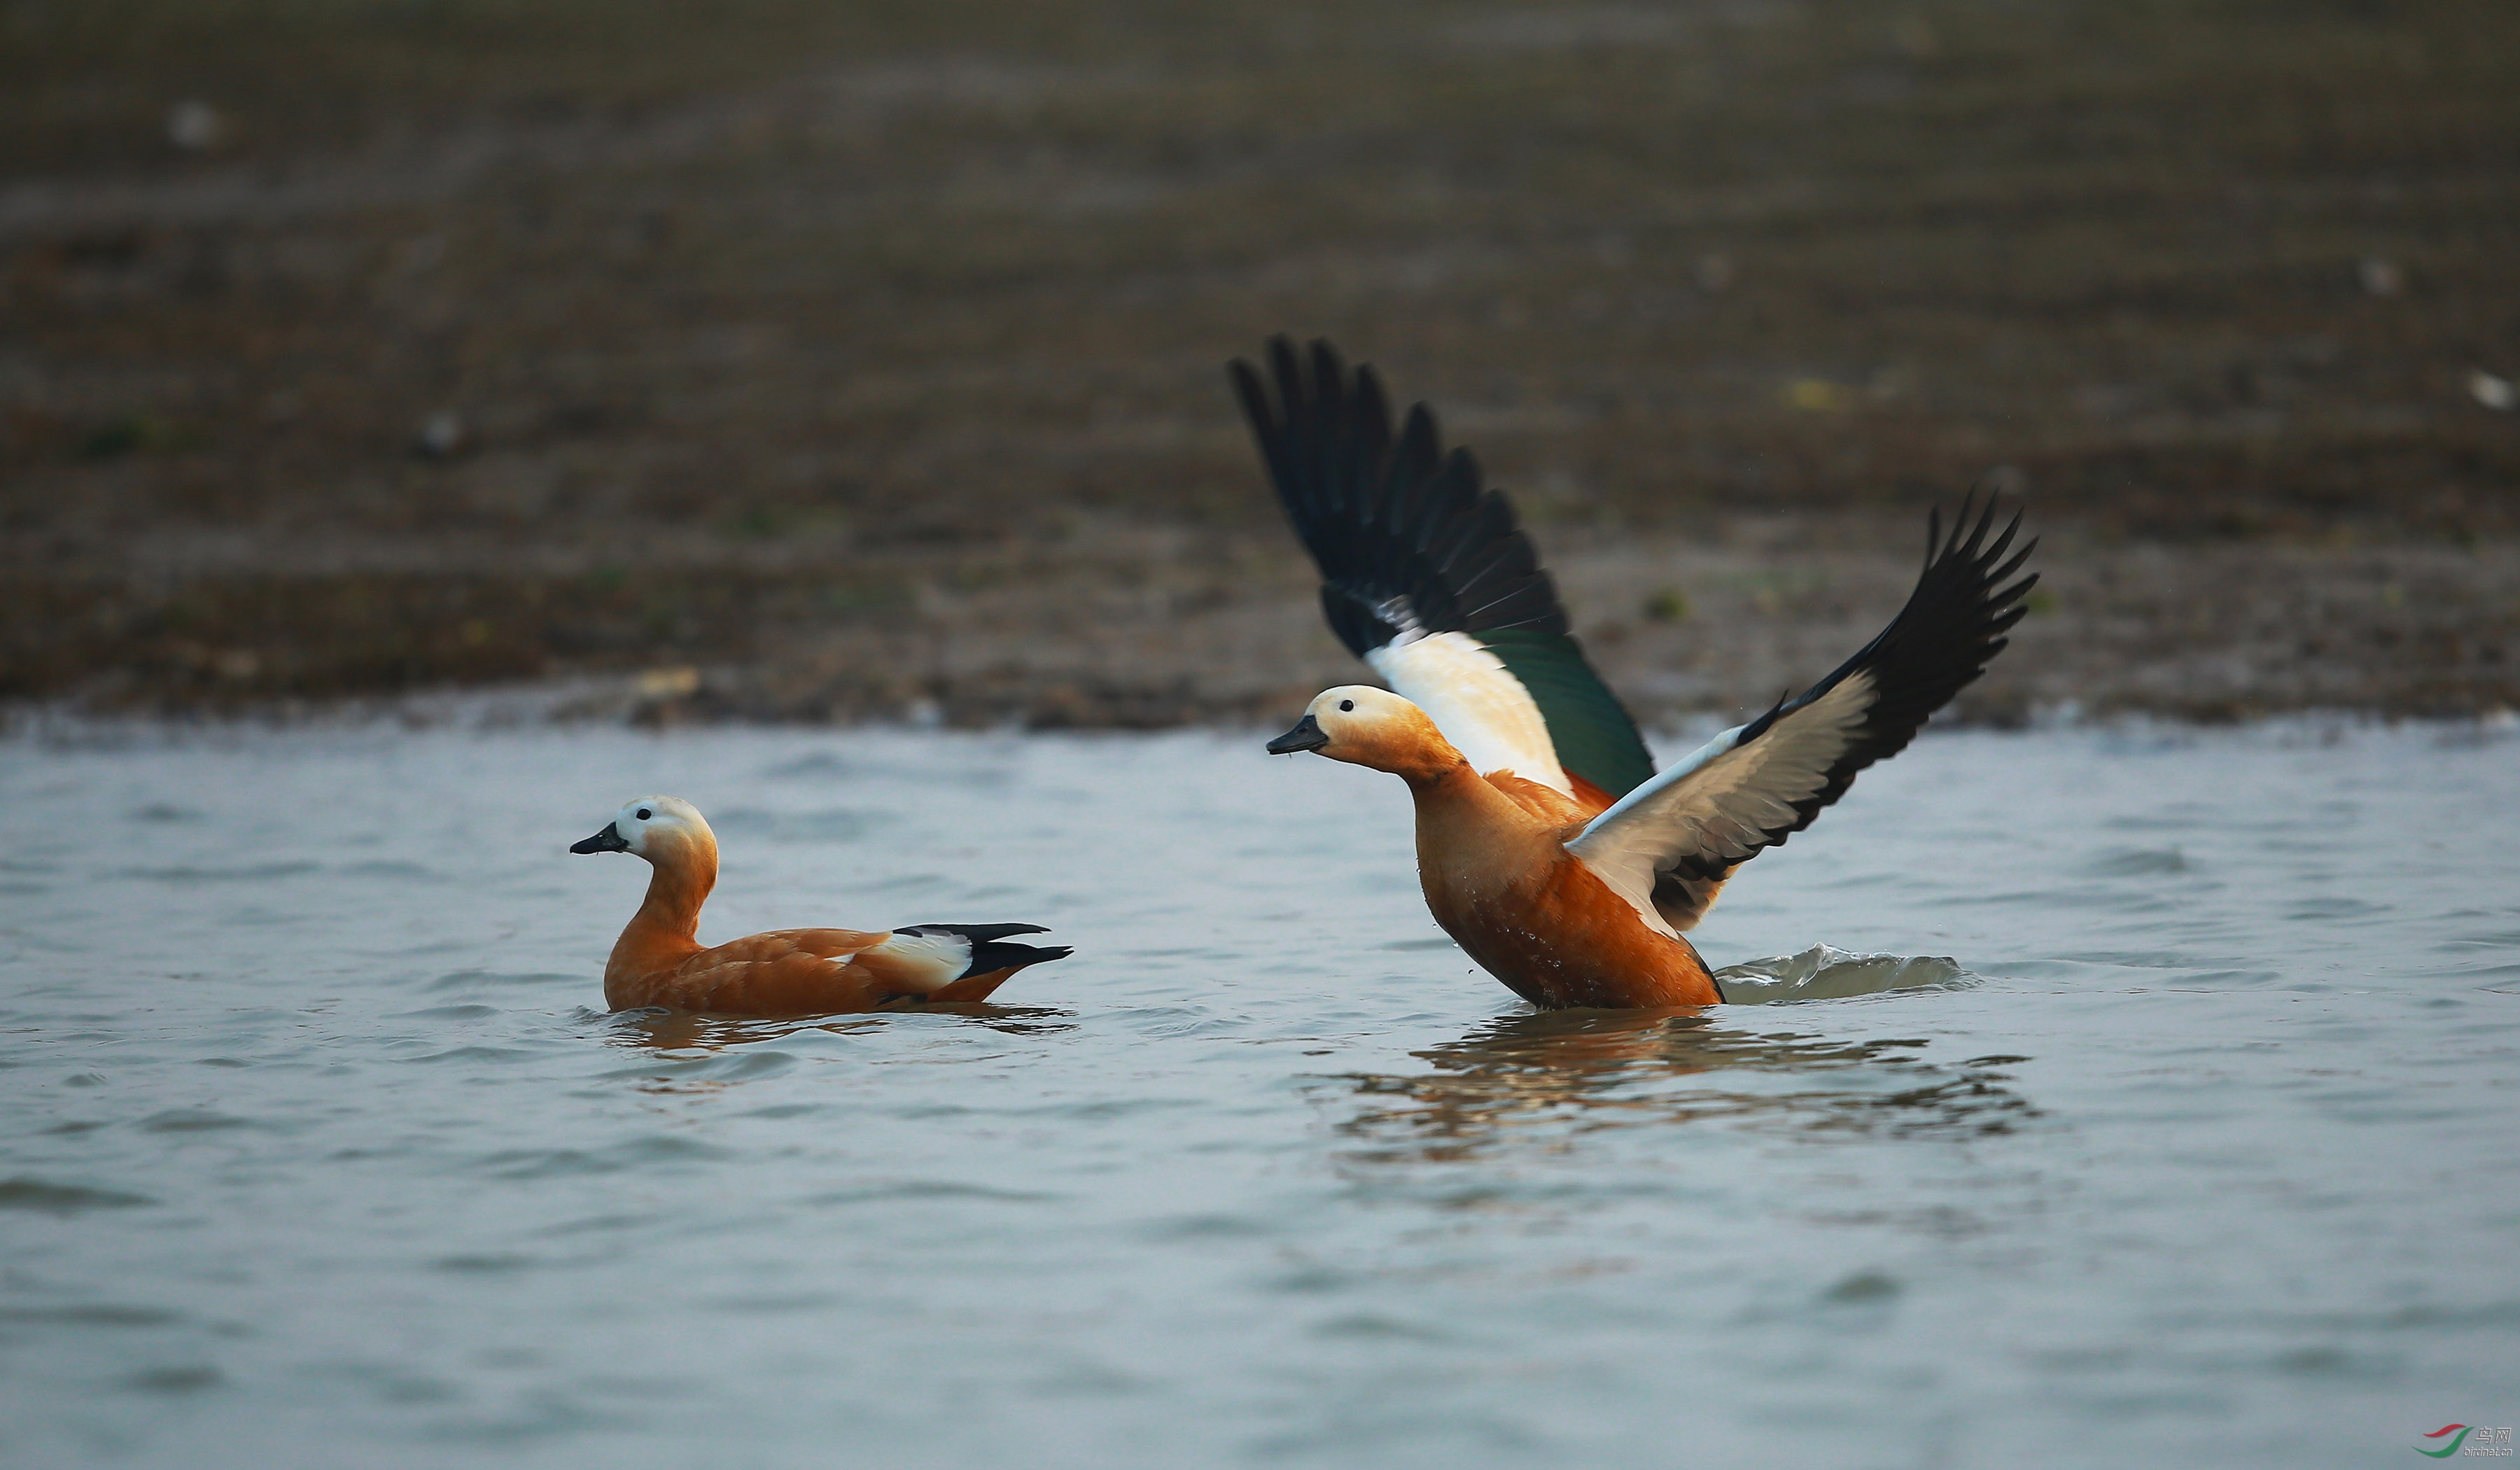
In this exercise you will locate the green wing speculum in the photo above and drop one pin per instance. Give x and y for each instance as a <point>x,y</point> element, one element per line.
<point>1595,737</point>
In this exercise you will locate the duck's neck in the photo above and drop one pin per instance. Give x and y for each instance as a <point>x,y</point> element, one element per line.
<point>1446,785</point>
<point>668,922</point>
<point>1464,822</point>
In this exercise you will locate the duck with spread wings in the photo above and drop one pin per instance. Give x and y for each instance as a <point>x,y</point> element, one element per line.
<point>1547,845</point>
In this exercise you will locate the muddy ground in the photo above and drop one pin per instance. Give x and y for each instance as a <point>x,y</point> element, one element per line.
<point>1682,629</point>
<point>798,360</point>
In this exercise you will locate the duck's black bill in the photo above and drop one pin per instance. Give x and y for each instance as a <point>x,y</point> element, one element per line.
<point>608,840</point>
<point>1306,735</point>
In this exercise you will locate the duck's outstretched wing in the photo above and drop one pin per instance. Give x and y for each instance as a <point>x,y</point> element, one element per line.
<point>1426,576</point>
<point>1670,844</point>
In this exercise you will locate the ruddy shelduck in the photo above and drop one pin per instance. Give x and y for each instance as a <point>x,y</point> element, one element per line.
<point>1547,845</point>
<point>660,961</point>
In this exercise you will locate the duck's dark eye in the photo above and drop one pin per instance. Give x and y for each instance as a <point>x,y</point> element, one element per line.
<point>1347,704</point>
<point>645,814</point>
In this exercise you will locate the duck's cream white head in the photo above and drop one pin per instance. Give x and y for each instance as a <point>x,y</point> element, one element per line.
<point>653,827</point>
<point>1374,728</point>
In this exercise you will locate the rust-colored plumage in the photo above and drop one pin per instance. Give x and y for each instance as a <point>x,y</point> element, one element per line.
<point>1493,861</point>
<point>660,962</point>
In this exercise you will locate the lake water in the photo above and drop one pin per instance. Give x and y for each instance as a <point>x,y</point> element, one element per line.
<point>317,1148</point>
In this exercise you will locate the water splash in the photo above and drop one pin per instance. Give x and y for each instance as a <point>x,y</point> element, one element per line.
<point>1823,973</point>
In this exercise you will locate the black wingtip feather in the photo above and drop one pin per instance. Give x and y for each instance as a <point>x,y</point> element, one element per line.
<point>1953,622</point>
<point>1388,517</point>
<point>1407,539</point>
<point>1952,625</point>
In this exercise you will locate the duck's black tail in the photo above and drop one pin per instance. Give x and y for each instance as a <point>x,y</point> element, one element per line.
<point>990,952</point>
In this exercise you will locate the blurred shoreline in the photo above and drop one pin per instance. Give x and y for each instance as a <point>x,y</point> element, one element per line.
<point>1141,628</point>
<point>864,363</point>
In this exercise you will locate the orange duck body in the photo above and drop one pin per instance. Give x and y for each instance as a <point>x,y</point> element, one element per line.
<point>660,962</point>
<point>1493,863</point>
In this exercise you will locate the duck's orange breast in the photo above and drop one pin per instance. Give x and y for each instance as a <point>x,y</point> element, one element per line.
<point>1491,859</point>
<point>1561,938</point>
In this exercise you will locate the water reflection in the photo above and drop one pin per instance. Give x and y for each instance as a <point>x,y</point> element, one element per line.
<point>669,1032</point>
<point>1574,1072</point>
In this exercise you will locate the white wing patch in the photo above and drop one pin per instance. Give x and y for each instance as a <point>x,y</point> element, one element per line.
<point>939,958</point>
<point>1482,709</point>
<point>1720,803</point>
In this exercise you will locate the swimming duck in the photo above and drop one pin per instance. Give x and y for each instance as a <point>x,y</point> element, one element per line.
<point>1547,845</point>
<point>785,973</point>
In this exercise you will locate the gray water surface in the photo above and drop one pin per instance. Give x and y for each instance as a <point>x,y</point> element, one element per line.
<point>317,1148</point>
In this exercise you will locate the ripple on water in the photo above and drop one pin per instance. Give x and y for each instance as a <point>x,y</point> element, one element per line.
<point>193,1119</point>
<point>808,1304</point>
<point>2094,974</point>
<point>43,1197</point>
<point>456,1055</point>
<point>654,1152</point>
<point>2337,909</point>
<point>495,979</point>
<point>2103,898</point>
<point>469,1011</point>
<point>392,1384</point>
<point>1208,1228</point>
<point>489,1263</point>
<point>208,874</point>
<point>2136,863</point>
<point>93,1314</point>
<point>1376,1328</point>
<point>923,1188</point>
<point>747,1065</point>
<point>400,870</point>
<point>544,1416</point>
<point>176,1379</point>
